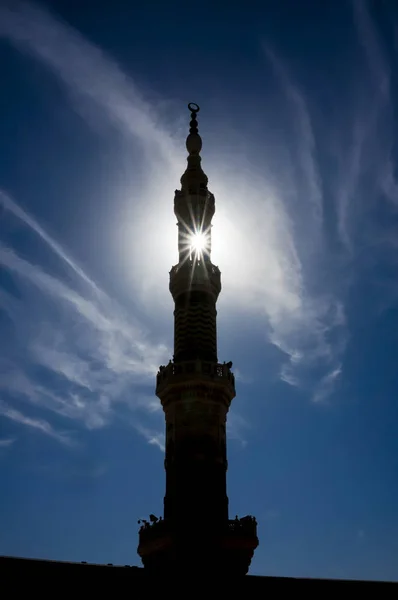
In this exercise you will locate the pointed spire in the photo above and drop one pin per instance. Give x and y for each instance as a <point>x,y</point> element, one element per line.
<point>194,141</point>
<point>194,179</point>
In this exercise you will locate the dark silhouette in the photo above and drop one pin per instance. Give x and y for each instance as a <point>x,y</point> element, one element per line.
<point>196,391</point>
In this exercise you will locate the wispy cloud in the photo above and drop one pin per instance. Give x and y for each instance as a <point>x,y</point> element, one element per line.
<point>93,351</point>
<point>122,346</point>
<point>237,428</point>
<point>370,40</point>
<point>153,437</point>
<point>306,149</point>
<point>327,384</point>
<point>389,185</point>
<point>38,424</point>
<point>367,172</point>
<point>6,442</point>
<point>92,409</point>
<point>311,328</point>
<point>88,73</point>
<point>288,376</point>
<point>265,273</point>
<point>348,185</point>
<point>7,203</point>
<point>97,311</point>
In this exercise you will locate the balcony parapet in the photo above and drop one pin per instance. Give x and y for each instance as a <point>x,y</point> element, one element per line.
<point>245,526</point>
<point>196,371</point>
<point>194,275</point>
<point>227,547</point>
<point>158,528</point>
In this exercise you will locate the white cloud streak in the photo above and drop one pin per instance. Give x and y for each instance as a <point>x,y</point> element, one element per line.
<point>153,437</point>
<point>327,384</point>
<point>368,148</point>
<point>304,133</point>
<point>85,70</point>
<point>237,427</point>
<point>370,40</point>
<point>8,204</point>
<point>121,346</point>
<point>348,188</point>
<point>38,424</point>
<point>6,442</point>
<point>94,350</point>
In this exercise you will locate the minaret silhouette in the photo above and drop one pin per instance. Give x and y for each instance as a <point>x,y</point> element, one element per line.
<point>196,391</point>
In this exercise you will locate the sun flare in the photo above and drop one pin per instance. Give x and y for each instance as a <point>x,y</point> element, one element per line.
<point>198,242</point>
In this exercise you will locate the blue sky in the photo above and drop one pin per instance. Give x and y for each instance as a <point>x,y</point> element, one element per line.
<point>297,118</point>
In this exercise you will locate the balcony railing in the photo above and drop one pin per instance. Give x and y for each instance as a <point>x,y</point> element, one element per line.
<point>245,527</point>
<point>150,531</point>
<point>195,274</point>
<point>215,371</point>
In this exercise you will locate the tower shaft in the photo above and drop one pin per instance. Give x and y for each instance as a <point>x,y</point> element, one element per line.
<point>196,392</point>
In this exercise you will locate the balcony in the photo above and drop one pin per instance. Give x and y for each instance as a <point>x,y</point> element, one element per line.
<point>195,275</point>
<point>151,531</point>
<point>155,543</point>
<point>245,527</point>
<point>201,371</point>
<point>227,548</point>
<point>241,534</point>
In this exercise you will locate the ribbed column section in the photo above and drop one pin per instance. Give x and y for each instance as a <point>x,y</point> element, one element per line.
<point>195,330</point>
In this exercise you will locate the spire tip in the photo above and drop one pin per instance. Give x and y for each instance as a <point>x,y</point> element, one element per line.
<point>193,107</point>
<point>194,178</point>
<point>194,142</point>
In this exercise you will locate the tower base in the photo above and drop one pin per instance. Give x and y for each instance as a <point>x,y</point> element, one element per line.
<point>198,550</point>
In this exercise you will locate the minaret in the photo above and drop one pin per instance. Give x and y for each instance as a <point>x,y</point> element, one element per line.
<point>196,391</point>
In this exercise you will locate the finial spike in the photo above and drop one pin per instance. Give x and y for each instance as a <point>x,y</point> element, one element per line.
<point>194,178</point>
<point>193,126</point>
<point>194,141</point>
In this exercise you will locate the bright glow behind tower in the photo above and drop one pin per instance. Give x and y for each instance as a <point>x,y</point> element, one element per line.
<point>198,242</point>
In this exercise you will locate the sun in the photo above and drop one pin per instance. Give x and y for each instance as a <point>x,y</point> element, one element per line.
<point>198,242</point>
